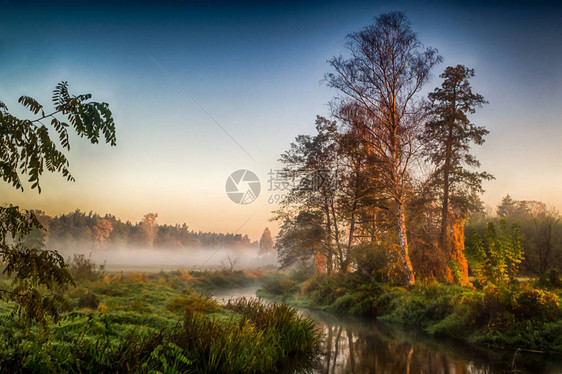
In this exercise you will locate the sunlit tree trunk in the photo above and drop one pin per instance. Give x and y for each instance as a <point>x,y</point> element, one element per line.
<point>403,245</point>
<point>457,250</point>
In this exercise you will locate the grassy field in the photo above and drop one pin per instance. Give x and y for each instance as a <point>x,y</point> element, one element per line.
<point>158,322</point>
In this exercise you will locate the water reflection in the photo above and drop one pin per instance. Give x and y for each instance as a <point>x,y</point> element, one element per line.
<point>357,346</point>
<point>363,346</point>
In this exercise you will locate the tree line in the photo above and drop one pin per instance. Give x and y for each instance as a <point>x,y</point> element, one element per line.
<point>539,228</point>
<point>80,229</point>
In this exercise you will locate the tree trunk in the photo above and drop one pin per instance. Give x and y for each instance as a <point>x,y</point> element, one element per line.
<point>329,263</point>
<point>444,238</point>
<point>457,251</point>
<point>403,245</point>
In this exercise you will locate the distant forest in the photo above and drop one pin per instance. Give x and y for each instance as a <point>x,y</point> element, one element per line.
<point>92,230</point>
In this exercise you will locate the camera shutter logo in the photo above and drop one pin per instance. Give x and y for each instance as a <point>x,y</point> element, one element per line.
<point>243,187</point>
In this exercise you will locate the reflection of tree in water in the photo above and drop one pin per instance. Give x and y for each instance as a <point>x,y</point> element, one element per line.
<point>359,346</point>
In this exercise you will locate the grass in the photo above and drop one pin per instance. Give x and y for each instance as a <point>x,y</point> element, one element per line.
<point>161,322</point>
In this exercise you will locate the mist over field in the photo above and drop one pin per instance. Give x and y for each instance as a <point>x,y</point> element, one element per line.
<point>143,258</point>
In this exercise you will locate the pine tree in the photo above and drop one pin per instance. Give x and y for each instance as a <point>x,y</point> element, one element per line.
<point>266,242</point>
<point>449,138</point>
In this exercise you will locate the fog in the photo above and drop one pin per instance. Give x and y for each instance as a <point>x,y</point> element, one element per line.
<point>146,259</point>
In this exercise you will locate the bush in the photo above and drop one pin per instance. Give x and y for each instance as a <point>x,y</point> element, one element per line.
<point>88,300</point>
<point>532,303</point>
<point>345,303</point>
<point>371,259</point>
<point>82,268</point>
<point>280,286</point>
<point>550,280</point>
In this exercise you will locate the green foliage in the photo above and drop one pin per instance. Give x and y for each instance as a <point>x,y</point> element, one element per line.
<point>119,337</point>
<point>27,150</point>
<point>88,300</point>
<point>371,259</point>
<point>292,333</point>
<point>32,271</point>
<point>495,258</point>
<point>26,147</point>
<point>280,286</point>
<point>499,314</point>
<point>192,303</point>
<point>350,293</point>
<point>299,238</point>
<point>166,359</point>
<point>449,137</point>
<point>535,304</point>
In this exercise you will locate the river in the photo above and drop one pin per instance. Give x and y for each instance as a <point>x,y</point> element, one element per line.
<point>358,345</point>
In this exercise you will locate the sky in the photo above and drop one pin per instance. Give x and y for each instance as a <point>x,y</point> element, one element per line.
<point>201,90</point>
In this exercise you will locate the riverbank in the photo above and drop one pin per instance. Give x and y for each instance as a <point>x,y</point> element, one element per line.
<point>515,316</point>
<point>158,322</point>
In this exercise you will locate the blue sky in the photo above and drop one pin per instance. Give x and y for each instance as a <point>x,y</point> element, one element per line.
<point>257,69</point>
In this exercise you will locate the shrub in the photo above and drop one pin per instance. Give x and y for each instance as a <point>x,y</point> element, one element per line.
<point>345,303</point>
<point>550,280</point>
<point>82,268</point>
<point>532,303</point>
<point>280,286</point>
<point>371,259</point>
<point>309,285</point>
<point>88,300</point>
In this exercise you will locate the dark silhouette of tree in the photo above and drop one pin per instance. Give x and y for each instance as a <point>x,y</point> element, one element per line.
<point>229,263</point>
<point>300,239</point>
<point>266,242</point>
<point>387,68</point>
<point>27,151</point>
<point>507,207</point>
<point>449,137</point>
<point>326,187</point>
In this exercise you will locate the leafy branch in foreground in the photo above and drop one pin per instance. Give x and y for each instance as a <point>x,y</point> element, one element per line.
<point>26,146</point>
<point>27,150</point>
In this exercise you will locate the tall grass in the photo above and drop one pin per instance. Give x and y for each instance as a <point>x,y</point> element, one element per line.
<point>293,334</point>
<point>244,336</point>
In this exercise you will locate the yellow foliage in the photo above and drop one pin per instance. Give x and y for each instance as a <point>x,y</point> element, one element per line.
<point>102,308</point>
<point>139,277</point>
<point>185,275</point>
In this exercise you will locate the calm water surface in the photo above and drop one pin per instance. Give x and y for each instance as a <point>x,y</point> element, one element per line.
<point>355,345</point>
